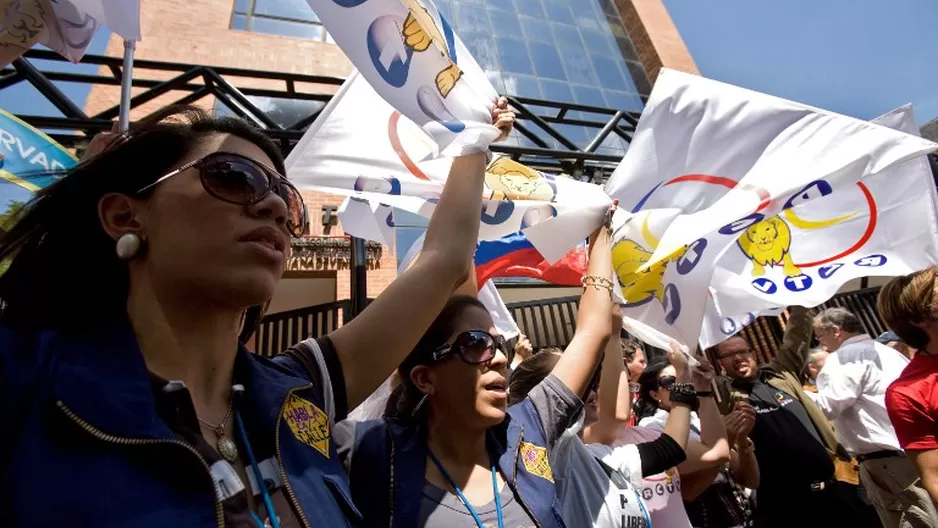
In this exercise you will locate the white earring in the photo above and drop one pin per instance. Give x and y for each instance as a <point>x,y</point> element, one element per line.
<point>127,246</point>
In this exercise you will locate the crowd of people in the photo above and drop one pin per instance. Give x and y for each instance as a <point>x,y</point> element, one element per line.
<point>129,399</point>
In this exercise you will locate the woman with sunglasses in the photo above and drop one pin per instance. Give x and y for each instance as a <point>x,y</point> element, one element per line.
<point>710,497</point>
<point>126,398</point>
<point>597,481</point>
<point>453,454</point>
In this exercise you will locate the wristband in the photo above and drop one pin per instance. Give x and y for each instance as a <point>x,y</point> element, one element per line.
<point>705,394</point>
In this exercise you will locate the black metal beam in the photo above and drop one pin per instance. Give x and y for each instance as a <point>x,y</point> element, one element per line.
<point>47,89</point>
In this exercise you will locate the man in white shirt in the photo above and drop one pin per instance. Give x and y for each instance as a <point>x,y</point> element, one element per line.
<point>851,392</point>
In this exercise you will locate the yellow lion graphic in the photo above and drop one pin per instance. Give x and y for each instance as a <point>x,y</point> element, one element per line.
<point>768,243</point>
<point>419,33</point>
<point>639,286</point>
<point>505,178</point>
<point>22,23</point>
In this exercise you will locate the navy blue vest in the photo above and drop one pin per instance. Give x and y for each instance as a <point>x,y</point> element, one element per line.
<point>83,445</point>
<point>386,447</point>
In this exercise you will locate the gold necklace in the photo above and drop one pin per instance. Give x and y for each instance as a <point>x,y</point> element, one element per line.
<point>226,447</point>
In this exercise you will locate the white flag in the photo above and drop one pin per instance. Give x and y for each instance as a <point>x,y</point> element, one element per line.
<point>361,147</point>
<point>710,161</point>
<point>885,225</point>
<point>412,57</point>
<point>488,295</point>
<point>64,26</point>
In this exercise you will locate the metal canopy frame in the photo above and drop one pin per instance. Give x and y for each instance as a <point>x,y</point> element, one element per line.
<point>539,121</point>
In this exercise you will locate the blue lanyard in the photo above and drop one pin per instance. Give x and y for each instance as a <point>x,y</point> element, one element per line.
<point>472,511</point>
<point>268,504</point>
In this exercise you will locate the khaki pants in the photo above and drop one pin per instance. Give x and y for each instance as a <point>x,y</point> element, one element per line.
<point>893,486</point>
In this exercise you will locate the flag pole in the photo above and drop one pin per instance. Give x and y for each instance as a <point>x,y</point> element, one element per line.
<point>126,83</point>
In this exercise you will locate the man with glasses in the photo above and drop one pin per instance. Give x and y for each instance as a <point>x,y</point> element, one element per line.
<point>852,393</point>
<point>794,443</point>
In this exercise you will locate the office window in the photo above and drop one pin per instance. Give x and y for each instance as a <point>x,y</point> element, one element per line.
<point>562,50</point>
<point>289,18</point>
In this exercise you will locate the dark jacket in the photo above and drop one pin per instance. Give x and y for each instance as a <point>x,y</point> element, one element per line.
<point>83,444</point>
<point>783,372</point>
<point>386,448</point>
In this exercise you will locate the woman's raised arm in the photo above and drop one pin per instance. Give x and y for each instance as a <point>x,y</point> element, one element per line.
<point>593,324</point>
<point>375,342</point>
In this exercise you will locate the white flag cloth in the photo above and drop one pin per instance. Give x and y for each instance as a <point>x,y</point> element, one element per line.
<point>488,295</point>
<point>371,221</point>
<point>707,164</point>
<point>361,147</point>
<point>411,55</point>
<point>885,225</point>
<point>64,26</point>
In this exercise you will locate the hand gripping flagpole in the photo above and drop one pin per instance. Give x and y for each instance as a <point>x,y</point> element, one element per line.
<point>126,83</point>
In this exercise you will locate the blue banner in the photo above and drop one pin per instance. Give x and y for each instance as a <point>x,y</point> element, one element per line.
<point>29,161</point>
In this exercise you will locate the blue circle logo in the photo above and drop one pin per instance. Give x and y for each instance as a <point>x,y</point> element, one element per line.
<point>765,286</point>
<point>692,256</point>
<point>671,302</point>
<point>496,212</point>
<point>872,261</point>
<point>734,228</point>
<point>826,271</point>
<point>389,56</point>
<point>798,283</point>
<point>348,3</point>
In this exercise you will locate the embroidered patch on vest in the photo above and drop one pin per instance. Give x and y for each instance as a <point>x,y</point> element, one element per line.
<point>535,461</point>
<point>309,424</point>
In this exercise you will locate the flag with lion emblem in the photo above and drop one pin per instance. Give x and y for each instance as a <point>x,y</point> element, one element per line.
<point>886,225</point>
<point>363,148</point>
<point>715,169</point>
<point>410,54</point>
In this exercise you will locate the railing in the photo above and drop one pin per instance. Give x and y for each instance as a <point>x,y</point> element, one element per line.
<point>540,122</point>
<point>547,323</point>
<point>278,332</point>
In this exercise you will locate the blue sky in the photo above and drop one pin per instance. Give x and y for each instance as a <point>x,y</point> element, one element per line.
<point>857,57</point>
<point>23,99</point>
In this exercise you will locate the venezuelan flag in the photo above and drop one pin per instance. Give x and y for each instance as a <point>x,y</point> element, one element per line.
<point>515,256</point>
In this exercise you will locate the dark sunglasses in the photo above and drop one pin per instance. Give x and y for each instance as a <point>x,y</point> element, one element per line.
<point>239,180</point>
<point>473,347</point>
<point>665,382</point>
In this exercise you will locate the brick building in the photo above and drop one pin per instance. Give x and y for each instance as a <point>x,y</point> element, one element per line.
<point>596,52</point>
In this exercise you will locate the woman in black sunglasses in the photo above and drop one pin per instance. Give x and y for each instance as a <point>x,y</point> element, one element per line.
<point>453,454</point>
<point>126,398</point>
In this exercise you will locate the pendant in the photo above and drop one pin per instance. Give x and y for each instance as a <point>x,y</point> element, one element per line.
<point>227,448</point>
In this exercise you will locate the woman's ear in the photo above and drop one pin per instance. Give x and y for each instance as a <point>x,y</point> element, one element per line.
<point>420,376</point>
<point>654,395</point>
<point>119,214</point>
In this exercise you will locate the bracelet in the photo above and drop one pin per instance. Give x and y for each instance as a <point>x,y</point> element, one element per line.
<point>705,394</point>
<point>745,450</point>
<point>597,283</point>
<point>603,282</point>
<point>683,393</point>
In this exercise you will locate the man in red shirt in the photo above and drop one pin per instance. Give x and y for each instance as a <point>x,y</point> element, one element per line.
<point>909,305</point>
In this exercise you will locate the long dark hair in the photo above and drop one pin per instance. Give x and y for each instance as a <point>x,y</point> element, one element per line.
<point>646,404</point>
<point>529,373</point>
<point>64,273</point>
<point>405,397</point>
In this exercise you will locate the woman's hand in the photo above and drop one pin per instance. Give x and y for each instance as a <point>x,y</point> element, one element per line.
<point>702,375</point>
<point>678,360</point>
<point>523,348</point>
<point>503,119</point>
<point>100,142</point>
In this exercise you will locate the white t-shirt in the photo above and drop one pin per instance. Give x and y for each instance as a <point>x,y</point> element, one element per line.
<point>589,495</point>
<point>660,417</point>
<point>662,492</point>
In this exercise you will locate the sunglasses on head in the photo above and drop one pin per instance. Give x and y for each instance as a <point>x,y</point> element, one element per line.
<point>239,180</point>
<point>665,382</point>
<point>473,347</point>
